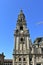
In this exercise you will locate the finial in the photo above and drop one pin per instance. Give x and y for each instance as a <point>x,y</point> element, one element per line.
<point>21,15</point>
<point>21,11</point>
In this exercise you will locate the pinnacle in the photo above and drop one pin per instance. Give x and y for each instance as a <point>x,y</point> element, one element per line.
<point>21,11</point>
<point>21,14</point>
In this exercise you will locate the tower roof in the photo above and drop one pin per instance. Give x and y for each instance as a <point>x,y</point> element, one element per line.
<point>21,18</point>
<point>21,15</point>
<point>21,11</point>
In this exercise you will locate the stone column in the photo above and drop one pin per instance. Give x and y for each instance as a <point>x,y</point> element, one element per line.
<point>13,60</point>
<point>22,59</point>
<point>34,60</point>
<point>28,60</point>
<point>17,43</point>
<point>40,50</point>
<point>28,43</point>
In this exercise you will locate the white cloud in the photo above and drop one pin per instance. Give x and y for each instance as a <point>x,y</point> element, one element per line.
<point>38,23</point>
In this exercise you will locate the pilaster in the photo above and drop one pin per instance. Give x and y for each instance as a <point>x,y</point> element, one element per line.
<point>34,60</point>
<point>28,60</point>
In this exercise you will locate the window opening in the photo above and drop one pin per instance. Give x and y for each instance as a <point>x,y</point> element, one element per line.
<point>19,59</point>
<point>21,27</point>
<point>24,59</point>
<point>21,39</point>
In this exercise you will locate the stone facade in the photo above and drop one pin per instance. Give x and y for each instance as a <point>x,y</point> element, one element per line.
<point>5,61</point>
<point>25,52</point>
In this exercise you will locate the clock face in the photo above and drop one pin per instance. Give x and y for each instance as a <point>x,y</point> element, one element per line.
<point>21,31</point>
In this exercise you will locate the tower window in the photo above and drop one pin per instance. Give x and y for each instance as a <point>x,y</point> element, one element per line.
<point>24,59</point>
<point>21,39</point>
<point>30,59</point>
<point>21,27</point>
<point>19,59</point>
<point>21,19</point>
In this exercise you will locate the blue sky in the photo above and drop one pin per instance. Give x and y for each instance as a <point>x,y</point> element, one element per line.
<point>9,10</point>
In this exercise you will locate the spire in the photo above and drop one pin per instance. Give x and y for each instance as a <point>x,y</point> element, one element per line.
<point>21,11</point>
<point>21,15</point>
<point>21,18</point>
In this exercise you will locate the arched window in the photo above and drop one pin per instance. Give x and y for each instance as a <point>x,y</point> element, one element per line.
<point>24,59</point>
<point>19,59</point>
<point>21,39</point>
<point>21,27</point>
<point>30,59</point>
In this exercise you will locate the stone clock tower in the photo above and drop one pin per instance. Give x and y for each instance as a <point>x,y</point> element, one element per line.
<point>22,43</point>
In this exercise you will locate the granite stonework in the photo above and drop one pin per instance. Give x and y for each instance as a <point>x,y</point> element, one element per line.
<point>25,52</point>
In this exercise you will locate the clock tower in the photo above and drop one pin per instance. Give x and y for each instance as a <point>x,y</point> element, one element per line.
<point>22,43</point>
